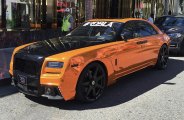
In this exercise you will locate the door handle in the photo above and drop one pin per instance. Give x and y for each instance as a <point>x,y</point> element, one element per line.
<point>142,42</point>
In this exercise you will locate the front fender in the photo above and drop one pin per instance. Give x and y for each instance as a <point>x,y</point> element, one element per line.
<point>75,67</point>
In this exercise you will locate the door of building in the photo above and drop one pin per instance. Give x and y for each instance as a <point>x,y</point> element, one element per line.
<point>19,17</point>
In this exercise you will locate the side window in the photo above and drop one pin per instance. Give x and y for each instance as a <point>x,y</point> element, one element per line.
<point>145,29</point>
<point>128,30</point>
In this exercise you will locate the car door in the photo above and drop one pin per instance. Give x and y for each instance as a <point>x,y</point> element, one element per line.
<point>129,56</point>
<point>150,40</point>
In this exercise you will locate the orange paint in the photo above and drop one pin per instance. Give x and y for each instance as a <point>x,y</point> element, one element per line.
<point>120,58</point>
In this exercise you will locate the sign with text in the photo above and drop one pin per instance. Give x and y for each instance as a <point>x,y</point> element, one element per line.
<point>63,4</point>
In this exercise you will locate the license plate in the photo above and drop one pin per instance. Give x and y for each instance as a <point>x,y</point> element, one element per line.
<point>22,79</point>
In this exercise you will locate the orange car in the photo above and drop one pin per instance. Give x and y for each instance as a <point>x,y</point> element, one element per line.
<point>91,57</point>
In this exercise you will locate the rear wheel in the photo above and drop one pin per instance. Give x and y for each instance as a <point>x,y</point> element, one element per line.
<point>92,83</point>
<point>162,58</point>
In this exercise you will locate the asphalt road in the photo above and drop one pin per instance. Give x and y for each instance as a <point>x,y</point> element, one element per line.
<point>145,95</point>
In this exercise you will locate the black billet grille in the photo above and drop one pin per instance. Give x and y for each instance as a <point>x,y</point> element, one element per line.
<point>27,66</point>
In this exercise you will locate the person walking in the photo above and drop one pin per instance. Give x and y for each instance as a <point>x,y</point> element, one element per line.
<point>68,20</point>
<point>151,18</point>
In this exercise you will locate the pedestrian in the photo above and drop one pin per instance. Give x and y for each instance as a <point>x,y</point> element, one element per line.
<point>151,18</point>
<point>68,21</point>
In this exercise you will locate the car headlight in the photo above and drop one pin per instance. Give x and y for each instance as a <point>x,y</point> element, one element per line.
<point>55,64</point>
<point>175,35</point>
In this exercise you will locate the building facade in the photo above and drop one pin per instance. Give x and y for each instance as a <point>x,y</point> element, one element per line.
<point>44,14</point>
<point>40,14</point>
<point>112,9</point>
<point>48,14</point>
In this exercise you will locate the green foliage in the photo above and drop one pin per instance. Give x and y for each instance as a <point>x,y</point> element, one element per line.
<point>10,23</point>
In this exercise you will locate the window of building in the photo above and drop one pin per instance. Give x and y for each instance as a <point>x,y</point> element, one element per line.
<point>41,14</point>
<point>17,14</point>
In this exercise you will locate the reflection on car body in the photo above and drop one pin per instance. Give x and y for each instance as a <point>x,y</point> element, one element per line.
<point>81,64</point>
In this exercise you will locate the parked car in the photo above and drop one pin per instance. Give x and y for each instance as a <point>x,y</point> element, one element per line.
<point>174,27</point>
<point>91,57</point>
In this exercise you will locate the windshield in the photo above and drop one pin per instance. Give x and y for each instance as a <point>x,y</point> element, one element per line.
<point>97,29</point>
<point>170,21</point>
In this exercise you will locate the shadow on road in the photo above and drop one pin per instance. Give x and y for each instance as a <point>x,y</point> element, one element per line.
<point>7,90</point>
<point>126,89</point>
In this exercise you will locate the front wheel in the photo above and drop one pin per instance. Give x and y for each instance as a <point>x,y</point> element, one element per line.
<point>163,57</point>
<point>91,83</point>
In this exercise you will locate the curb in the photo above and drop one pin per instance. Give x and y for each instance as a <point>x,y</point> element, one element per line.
<point>5,82</point>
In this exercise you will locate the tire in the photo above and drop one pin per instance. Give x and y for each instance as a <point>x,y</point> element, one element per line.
<point>91,83</point>
<point>163,57</point>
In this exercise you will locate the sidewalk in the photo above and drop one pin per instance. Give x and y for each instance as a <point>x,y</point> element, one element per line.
<point>5,57</point>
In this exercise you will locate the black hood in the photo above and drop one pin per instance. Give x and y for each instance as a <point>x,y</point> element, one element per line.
<point>58,45</point>
<point>172,29</point>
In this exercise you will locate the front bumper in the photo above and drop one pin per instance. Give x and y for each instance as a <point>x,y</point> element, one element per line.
<point>50,92</point>
<point>175,45</point>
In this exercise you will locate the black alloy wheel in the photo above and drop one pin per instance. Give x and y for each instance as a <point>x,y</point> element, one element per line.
<point>92,83</point>
<point>163,58</point>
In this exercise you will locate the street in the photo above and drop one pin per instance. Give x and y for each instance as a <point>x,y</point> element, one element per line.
<point>145,95</point>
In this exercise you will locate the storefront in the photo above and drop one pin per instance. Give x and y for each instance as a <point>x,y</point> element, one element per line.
<point>39,14</point>
<point>25,21</point>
